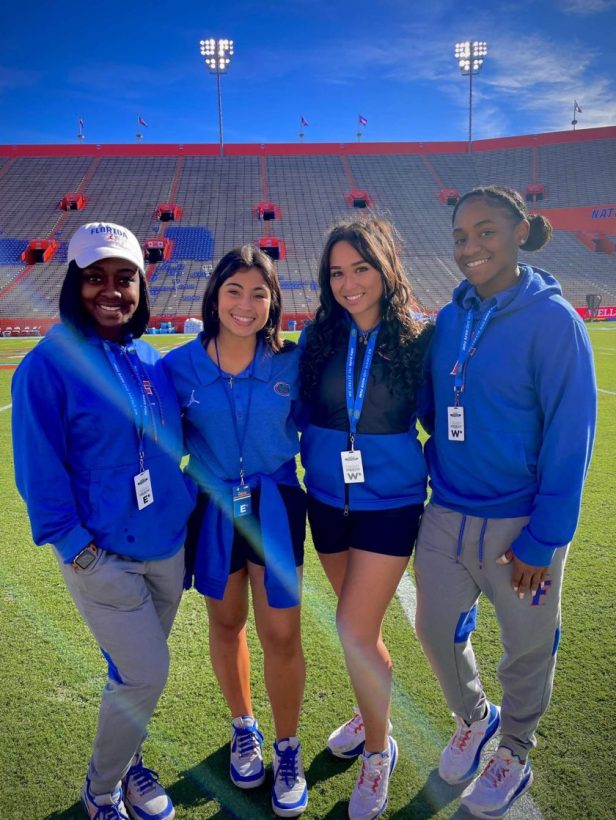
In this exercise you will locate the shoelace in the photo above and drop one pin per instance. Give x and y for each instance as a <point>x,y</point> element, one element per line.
<point>496,771</point>
<point>110,812</point>
<point>356,723</point>
<point>461,737</point>
<point>371,775</point>
<point>287,767</point>
<point>142,778</point>
<point>249,740</point>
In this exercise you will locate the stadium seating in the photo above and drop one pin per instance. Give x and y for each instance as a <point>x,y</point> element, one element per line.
<point>218,200</point>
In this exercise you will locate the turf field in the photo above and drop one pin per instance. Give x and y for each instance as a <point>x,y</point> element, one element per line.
<point>51,675</point>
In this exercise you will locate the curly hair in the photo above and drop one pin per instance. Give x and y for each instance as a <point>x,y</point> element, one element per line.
<point>402,337</point>
<point>242,258</point>
<point>540,228</point>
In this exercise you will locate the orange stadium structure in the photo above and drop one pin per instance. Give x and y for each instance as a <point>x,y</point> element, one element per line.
<point>188,206</point>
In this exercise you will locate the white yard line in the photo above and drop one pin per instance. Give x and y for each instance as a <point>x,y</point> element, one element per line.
<point>525,808</point>
<point>609,392</point>
<point>7,407</point>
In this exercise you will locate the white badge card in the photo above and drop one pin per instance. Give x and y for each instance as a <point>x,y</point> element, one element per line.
<point>352,467</point>
<point>143,489</point>
<point>455,423</point>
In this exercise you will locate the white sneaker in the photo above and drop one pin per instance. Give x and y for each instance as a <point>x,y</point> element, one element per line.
<point>369,798</point>
<point>500,784</point>
<point>144,797</point>
<point>246,767</point>
<point>461,757</point>
<point>103,806</point>
<point>289,792</point>
<point>348,740</point>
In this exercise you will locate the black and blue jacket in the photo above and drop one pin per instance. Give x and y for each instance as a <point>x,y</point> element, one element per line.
<point>393,462</point>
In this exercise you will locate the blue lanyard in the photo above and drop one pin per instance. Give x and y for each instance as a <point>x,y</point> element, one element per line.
<point>466,349</point>
<point>240,437</point>
<point>356,402</point>
<point>140,414</point>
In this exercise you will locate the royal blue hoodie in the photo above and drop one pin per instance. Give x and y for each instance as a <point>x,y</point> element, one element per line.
<point>529,404</point>
<point>76,447</point>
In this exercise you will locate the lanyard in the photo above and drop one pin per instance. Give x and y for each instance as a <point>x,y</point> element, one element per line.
<point>355,403</point>
<point>466,349</point>
<point>240,437</point>
<point>140,414</point>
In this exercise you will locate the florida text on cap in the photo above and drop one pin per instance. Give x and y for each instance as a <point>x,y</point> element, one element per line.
<point>104,240</point>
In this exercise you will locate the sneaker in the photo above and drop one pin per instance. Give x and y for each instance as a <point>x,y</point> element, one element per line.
<point>144,797</point>
<point>369,798</point>
<point>246,767</point>
<point>348,740</point>
<point>289,792</point>
<point>103,806</point>
<point>500,784</point>
<point>461,757</point>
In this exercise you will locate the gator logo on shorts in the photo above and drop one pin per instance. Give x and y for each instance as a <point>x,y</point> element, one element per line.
<point>282,388</point>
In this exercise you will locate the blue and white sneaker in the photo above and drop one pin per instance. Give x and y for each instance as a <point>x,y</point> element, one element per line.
<point>369,798</point>
<point>461,757</point>
<point>289,792</point>
<point>348,740</point>
<point>503,781</point>
<point>103,806</point>
<point>144,797</point>
<point>246,767</point>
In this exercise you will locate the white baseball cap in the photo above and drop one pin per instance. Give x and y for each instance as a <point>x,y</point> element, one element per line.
<point>104,240</point>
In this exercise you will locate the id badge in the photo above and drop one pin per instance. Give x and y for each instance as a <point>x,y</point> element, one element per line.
<point>455,423</point>
<point>143,489</point>
<point>352,467</point>
<point>242,504</point>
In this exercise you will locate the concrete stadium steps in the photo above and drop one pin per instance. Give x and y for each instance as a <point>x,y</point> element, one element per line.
<point>218,196</point>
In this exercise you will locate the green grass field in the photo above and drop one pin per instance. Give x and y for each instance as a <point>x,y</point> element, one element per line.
<point>51,675</point>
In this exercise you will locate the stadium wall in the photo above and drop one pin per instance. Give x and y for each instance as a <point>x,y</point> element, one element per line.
<point>306,149</point>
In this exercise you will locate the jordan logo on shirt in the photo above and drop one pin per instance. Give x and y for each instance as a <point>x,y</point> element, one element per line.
<point>192,400</point>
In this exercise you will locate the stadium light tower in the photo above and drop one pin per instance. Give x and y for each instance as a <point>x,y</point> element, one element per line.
<point>217,55</point>
<point>470,59</point>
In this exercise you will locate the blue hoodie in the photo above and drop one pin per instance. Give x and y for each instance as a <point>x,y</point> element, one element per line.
<point>529,404</point>
<point>76,448</point>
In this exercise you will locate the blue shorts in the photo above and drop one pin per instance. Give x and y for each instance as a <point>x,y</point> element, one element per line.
<point>388,532</point>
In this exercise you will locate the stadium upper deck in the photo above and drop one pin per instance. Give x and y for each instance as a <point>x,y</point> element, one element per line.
<point>305,187</point>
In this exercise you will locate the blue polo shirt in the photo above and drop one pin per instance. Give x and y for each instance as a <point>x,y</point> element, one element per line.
<point>271,437</point>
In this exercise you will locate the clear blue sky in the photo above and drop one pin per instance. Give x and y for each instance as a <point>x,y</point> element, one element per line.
<point>389,60</point>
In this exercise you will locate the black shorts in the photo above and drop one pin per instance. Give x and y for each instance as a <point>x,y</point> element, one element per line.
<point>247,530</point>
<point>388,532</point>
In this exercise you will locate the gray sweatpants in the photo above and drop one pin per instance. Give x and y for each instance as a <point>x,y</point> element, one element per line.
<point>455,561</point>
<point>129,607</point>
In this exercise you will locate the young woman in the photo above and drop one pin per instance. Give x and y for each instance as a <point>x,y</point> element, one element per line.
<point>236,384</point>
<point>512,423</point>
<point>97,441</point>
<point>365,472</point>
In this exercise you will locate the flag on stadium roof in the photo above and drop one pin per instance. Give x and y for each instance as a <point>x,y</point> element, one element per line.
<point>576,107</point>
<point>362,120</point>
<point>141,121</point>
<point>81,123</point>
<point>303,122</point>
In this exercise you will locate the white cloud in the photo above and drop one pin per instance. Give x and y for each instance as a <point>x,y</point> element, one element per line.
<point>586,7</point>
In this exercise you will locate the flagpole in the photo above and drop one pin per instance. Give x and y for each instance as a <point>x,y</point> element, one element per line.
<point>301,128</point>
<point>574,121</point>
<point>80,135</point>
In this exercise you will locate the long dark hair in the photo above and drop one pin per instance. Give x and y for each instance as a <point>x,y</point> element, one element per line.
<point>402,337</point>
<point>498,195</point>
<point>73,314</point>
<point>242,258</point>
